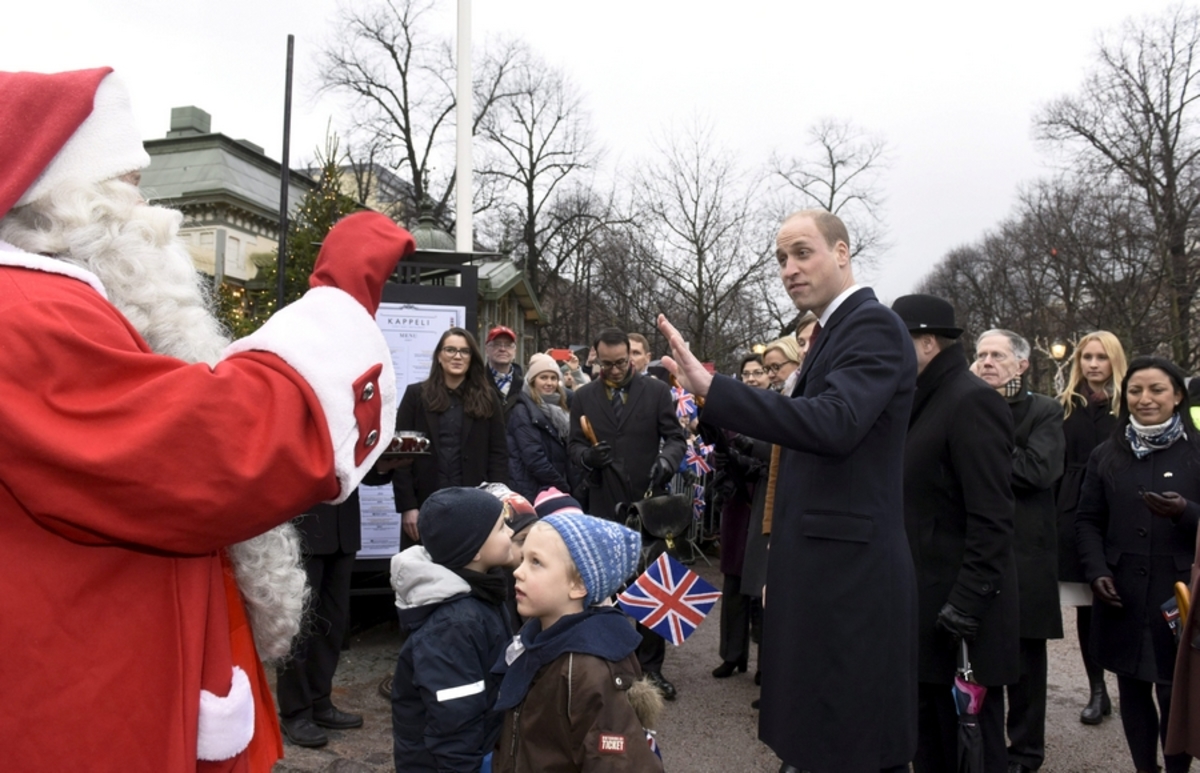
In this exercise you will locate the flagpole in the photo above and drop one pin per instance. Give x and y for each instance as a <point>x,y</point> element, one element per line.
<point>463,237</point>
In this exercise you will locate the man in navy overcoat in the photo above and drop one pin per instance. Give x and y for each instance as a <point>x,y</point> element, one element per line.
<point>840,640</point>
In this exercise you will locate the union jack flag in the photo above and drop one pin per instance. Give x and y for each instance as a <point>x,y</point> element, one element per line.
<point>653,744</point>
<point>698,501</point>
<point>685,404</point>
<point>669,599</point>
<point>695,460</point>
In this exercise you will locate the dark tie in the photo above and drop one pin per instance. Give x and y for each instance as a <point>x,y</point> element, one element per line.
<point>618,403</point>
<point>812,342</point>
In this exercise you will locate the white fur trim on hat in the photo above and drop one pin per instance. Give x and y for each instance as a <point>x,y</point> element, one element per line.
<point>226,724</point>
<point>106,145</point>
<point>331,340</point>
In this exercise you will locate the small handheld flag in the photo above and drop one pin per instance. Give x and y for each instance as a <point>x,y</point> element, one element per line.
<point>698,502</point>
<point>695,460</point>
<point>685,403</point>
<point>669,599</point>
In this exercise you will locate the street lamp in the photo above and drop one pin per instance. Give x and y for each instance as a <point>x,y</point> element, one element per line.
<point>1059,352</point>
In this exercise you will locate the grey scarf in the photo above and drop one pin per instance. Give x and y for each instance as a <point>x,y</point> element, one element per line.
<point>551,406</point>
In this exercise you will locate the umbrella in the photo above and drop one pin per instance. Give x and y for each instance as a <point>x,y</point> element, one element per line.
<point>968,700</point>
<point>611,477</point>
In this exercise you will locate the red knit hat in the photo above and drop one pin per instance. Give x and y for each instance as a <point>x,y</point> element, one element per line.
<point>61,127</point>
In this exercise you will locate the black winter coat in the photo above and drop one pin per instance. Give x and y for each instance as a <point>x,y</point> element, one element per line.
<point>647,419</point>
<point>1145,554</point>
<point>329,529</point>
<point>1087,427</point>
<point>1037,466</point>
<point>484,450</point>
<point>537,454</point>
<point>518,383</point>
<point>754,562</point>
<point>958,511</point>
<point>443,687</point>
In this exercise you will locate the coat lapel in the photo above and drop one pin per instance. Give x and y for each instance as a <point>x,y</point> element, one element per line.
<point>812,357</point>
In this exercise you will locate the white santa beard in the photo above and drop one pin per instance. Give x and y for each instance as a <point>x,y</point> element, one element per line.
<point>135,251</point>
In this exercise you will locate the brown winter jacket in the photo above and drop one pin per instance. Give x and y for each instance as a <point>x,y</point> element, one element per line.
<point>582,713</point>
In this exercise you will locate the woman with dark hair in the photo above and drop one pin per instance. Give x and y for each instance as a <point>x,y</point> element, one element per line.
<point>1136,530</point>
<point>458,409</point>
<point>1091,403</point>
<point>538,425</point>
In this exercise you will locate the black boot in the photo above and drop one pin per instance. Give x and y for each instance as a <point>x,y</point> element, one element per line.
<point>1099,706</point>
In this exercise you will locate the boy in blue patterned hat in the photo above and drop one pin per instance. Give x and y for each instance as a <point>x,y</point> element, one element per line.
<point>572,693</point>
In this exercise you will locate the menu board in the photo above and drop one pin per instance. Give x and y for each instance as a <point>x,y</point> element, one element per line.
<point>412,331</point>
<point>380,522</point>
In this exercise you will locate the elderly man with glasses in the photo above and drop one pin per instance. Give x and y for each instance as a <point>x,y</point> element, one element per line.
<point>501,350</point>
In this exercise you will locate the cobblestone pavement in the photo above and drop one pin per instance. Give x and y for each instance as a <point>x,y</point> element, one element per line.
<point>711,727</point>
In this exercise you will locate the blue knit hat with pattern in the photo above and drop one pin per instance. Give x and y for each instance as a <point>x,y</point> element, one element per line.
<point>605,553</point>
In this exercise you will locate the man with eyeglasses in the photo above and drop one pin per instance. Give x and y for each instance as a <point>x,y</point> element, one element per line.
<point>507,376</point>
<point>640,444</point>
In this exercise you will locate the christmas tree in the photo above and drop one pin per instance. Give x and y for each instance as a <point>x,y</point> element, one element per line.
<point>244,310</point>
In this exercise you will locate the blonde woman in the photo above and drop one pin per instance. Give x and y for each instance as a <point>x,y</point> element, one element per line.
<point>781,358</point>
<point>1091,403</point>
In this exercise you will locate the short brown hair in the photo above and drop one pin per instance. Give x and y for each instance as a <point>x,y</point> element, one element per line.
<point>829,224</point>
<point>641,339</point>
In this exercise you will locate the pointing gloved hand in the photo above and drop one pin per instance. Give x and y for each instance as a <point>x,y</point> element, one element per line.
<point>661,474</point>
<point>1165,505</point>
<point>598,456</point>
<point>957,623</point>
<point>359,254</point>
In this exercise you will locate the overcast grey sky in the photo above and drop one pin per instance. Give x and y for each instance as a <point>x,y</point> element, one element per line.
<point>952,86</point>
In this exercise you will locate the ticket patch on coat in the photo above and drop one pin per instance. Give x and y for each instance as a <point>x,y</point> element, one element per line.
<point>611,743</point>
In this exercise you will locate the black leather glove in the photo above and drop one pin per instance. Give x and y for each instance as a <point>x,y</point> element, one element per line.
<point>661,474</point>
<point>957,623</point>
<point>598,456</point>
<point>1165,505</point>
<point>1106,590</point>
<point>742,444</point>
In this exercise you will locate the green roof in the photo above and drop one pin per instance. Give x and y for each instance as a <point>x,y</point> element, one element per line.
<point>208,165</point>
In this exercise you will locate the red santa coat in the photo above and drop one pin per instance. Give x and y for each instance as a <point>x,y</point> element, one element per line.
<point>122,475</point>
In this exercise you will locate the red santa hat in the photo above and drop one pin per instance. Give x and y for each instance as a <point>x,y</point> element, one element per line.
<point>60,127</point>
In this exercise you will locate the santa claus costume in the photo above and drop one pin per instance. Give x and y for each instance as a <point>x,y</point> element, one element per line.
<point>146,462</point>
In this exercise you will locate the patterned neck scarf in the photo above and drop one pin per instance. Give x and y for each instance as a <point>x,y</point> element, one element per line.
<point>503,380</point>
<point>619,386</point>
<point>1145,440</point>
<point>1011,389</point>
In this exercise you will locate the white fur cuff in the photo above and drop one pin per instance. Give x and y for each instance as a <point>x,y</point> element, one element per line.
<point>226,724</point>
<point>332,342</point>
